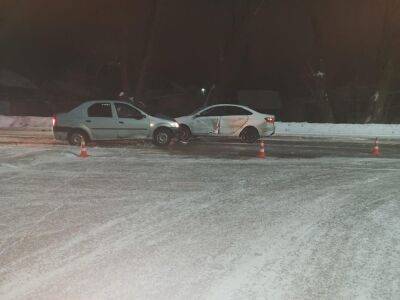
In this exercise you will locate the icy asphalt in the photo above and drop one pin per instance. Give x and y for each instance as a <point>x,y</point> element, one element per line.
<point>205,221</point>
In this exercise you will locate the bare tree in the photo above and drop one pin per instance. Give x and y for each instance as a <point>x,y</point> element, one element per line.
<point>380,102</point>
<point>316,68</point>
<point>153,25</point>
<point>232,47</point>
<point>11,13</point>
<point>124,49</point>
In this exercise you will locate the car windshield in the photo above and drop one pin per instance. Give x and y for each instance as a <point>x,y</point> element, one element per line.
<point>138,105</point>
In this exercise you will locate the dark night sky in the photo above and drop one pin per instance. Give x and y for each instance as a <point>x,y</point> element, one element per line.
<point>47,39</point>
<point>189,35</point>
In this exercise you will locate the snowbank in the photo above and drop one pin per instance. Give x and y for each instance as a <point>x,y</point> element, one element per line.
<point>42,123</point>
<point>282,128</point>
<point>339,130</point>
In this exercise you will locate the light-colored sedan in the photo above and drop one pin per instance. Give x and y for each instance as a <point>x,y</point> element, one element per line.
<point>227,120</point>
<point>112,120</point>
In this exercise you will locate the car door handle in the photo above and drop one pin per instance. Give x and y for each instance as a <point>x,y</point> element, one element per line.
<point>121,122</point>
<point>88,121</point>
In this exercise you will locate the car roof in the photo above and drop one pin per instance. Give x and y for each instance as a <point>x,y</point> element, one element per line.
<point>236,105</point>
<point>87,104</point>
<point>90,102</point>
<point>227,104</point>
<point>100,101</point>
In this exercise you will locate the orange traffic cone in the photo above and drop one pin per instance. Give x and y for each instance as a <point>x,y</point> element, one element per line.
<point>84,152</point>
<point>375,150</point>
<point>261,151</point>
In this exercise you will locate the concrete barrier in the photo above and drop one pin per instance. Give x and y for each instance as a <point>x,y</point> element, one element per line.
<point>39,123</point>
<point>282,128</point>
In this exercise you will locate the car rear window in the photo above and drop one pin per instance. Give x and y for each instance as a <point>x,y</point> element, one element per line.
<point>213,112</point>
<point>100,110</point>
<point>236,111</point>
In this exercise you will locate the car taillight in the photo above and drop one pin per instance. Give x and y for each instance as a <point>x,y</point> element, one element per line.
<point>270,120</point>
<point>54,120</point>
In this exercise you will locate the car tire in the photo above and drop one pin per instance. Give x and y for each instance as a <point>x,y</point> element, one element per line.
<point>250,135</point>
<point>76,137</point>
<point>162,137</point>
<point>184,133</point>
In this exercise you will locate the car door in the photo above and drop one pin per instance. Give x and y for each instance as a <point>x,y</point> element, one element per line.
<point>101,122</point>
<point>233,120</point>
<point>132,123</point>
<point>207,122</point>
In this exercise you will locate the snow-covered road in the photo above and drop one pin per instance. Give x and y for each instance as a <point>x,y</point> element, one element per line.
<point>132,223</point>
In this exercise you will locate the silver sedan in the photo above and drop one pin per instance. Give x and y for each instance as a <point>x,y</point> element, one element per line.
<point>112,120</point>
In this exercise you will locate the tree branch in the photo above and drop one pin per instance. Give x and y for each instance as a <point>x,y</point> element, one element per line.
<point>257,10</point>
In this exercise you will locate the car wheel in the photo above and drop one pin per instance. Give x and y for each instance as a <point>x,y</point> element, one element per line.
<point>184,133</point>
<point>76,137</point>
<point>250,135</point>
<point>162,137</point>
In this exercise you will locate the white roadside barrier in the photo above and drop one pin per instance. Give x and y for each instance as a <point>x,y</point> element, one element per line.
<point>28,122</point>
<point>338,130</point>
<point>282,128</point>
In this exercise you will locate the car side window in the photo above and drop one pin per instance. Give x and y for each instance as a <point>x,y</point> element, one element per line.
<point>212,112</point>
<point>127,111</point>
<point>100,110</point>
<point>236,111</point>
